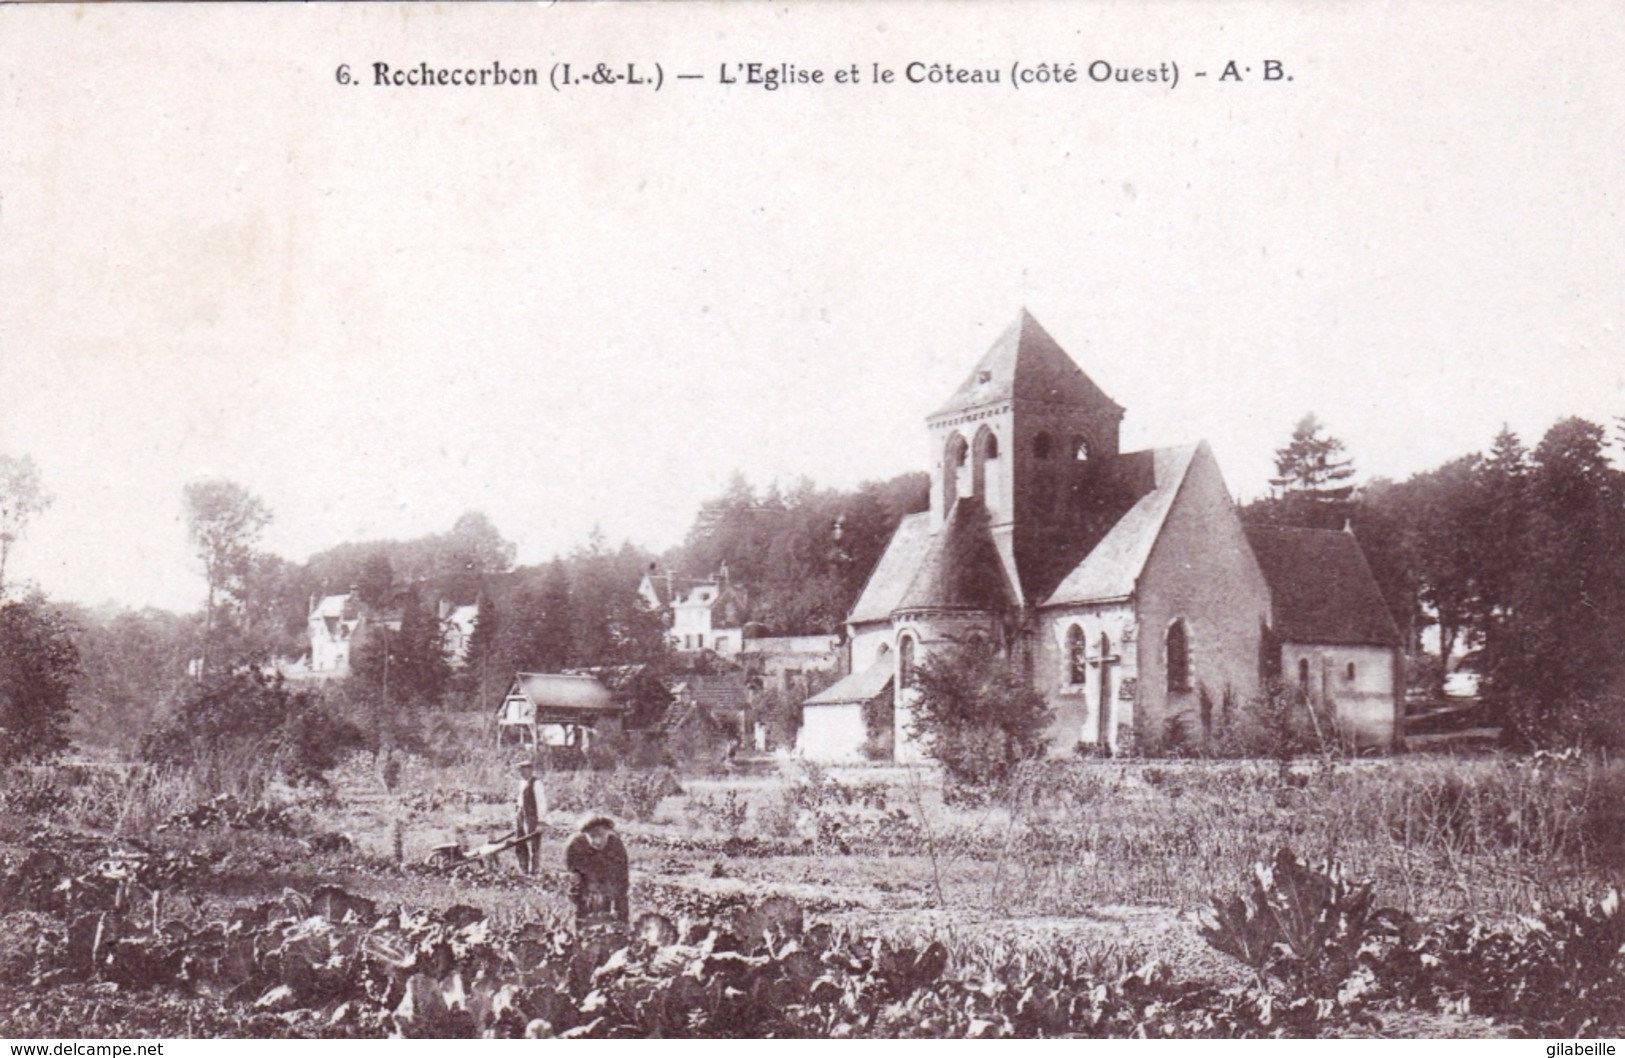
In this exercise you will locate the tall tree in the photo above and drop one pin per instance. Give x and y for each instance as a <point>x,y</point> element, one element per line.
<point>38,662</point>
<point>131,665</point>
<point>473,551</point>
<point>404,666</point>
<point>1552,648</point>
<point>22,496</point>
<point>1312,487</point>
<point>224,521</point>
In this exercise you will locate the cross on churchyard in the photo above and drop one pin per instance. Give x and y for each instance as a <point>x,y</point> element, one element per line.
<point>1104,659</point>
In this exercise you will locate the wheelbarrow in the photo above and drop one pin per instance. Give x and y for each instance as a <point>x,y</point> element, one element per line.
<point>454,854</point>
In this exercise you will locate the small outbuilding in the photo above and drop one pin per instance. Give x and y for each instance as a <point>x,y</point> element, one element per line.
<point>1338,644</point>
<point>553,709</point>
<point>835,722</point>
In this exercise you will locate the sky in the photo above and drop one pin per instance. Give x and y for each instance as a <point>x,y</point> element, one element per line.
<point>377,308</point>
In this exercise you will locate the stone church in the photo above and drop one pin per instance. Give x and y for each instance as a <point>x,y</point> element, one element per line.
<point>1123,582</point>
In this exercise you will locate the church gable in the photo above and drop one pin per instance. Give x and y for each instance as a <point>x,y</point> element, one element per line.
<point>1203,605</point>
<point>1112,562</point>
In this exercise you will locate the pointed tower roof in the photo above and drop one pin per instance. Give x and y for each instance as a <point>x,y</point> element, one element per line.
<point>1025,364</point>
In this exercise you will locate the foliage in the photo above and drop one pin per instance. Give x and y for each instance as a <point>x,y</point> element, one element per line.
<point>22,496</point>
<point>38,663</point>
<point>627,793</point>
<point>976,712</point>
<point>1553,647</point>
<point>803,554</point>
<point>406,667</point>
<point>1311,486</point>
<point>224,521</point>
<point>242,719</point>
<point>1302,924</point>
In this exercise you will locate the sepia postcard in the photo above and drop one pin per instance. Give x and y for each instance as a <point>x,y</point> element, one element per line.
<point>812,520</point>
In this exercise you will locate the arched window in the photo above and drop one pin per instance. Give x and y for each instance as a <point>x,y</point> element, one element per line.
<point>990,446</point>
<point>958,451</point>
<point>1303,672</point>
<point>905,661</point>
<point>1080,449</point>
<point>1349,675</point>
<point>1041,446</point>
<point>1179,658</point>
<point>1077,665</point>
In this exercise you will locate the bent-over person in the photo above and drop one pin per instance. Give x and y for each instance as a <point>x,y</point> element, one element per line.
<point>599,874</point>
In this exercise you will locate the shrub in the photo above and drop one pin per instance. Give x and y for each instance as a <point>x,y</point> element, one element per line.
<point>247,723</point>
<point>977,713</point>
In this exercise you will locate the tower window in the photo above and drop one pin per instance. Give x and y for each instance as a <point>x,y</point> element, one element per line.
<point>1303,672</point>
<point>1041,446</point>
<point>1080,449</point>
<point>1349,674</point>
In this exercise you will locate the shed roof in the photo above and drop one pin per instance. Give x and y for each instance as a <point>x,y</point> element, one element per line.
<point>714,692</point>
<point>859,686</point>
<point>558,693</point>
<point>1321,588</point>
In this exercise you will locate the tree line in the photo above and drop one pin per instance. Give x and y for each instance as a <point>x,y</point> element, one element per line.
<point>1514,556</point>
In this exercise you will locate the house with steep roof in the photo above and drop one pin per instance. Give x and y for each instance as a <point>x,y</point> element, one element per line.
<point>1123,582</point>
<point>457,624</point>
<point>333,625</point>
<point>706,614</point>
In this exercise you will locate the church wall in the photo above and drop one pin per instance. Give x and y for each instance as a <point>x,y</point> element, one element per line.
<point>1366,706</point>
<point>1077,705</point>
<point>1201,572</point>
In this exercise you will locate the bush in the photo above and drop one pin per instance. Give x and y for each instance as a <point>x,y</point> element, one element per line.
<point>246,723</point>
<point>977,713</point>
<point>38,661</point>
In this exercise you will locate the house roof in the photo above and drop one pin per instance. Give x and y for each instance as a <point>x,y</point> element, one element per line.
<point>962,569</point>
<point>1025,364</point>
<point>1113,566</point>
<point>558,693</point>
<point>1321,588</point>
<point>333,606</point>
<point>714,692</point>
<point>859,686</point>
<point>895,570</point>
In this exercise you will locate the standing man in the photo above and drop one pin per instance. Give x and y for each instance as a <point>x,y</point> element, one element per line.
<point>530,804</point>
<point>599,874</point>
